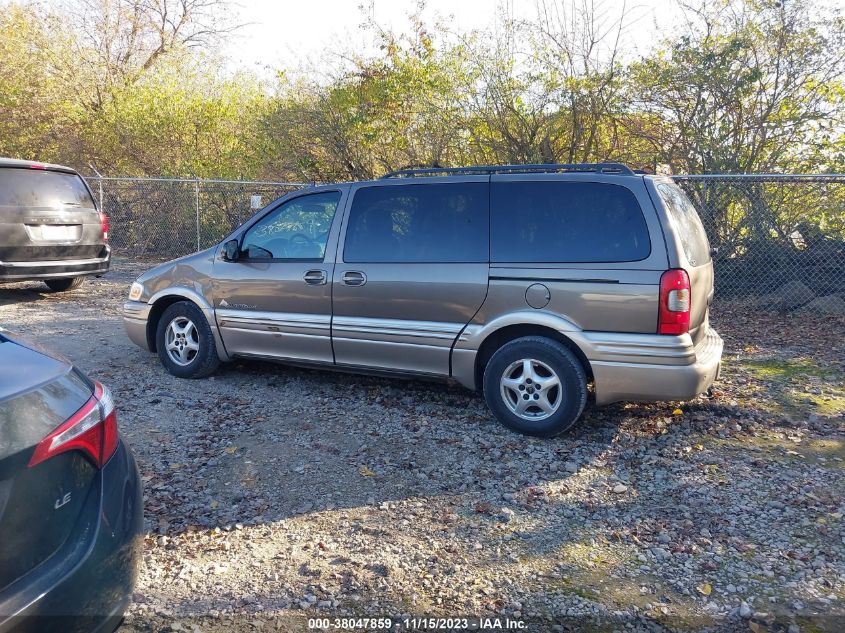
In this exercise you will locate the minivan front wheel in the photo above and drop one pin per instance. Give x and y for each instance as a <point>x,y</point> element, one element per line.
<point>536,386</point>
<point>64,283</point>
<point>185,343</point>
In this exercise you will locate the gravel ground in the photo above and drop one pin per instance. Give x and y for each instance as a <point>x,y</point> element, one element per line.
<point>276,494</point>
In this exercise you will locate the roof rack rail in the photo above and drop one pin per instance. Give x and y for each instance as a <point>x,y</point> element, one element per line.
<point>542,168</point>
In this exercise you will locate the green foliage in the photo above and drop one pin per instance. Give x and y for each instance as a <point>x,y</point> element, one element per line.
<point>752,86</point>
<point>33,104</point>
<point>397,110</point>
<point>746,85</point>
<point>182,119</point>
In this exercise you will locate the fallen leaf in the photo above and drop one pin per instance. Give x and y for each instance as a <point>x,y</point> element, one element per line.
<point>231,450</point>
<point>705,589</point>
<point>484,507</point>
<point>367,472</point>
<point>677,412</point>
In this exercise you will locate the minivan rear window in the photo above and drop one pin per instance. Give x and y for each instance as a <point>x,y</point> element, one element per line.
<point>563,222</point>
<point>686,223</point>
<point>42,188</point>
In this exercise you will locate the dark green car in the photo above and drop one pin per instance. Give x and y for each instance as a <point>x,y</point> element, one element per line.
<point>71,509</point>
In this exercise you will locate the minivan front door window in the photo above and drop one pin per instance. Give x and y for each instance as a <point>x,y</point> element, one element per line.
<point>296,230</point>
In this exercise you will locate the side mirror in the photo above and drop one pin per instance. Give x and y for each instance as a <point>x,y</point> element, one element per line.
<point>231,251</point>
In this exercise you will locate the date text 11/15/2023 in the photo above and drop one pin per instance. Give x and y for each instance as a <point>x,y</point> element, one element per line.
<point>417,624</point>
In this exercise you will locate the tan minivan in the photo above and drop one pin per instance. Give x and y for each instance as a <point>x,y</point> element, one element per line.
<point>528,282</point>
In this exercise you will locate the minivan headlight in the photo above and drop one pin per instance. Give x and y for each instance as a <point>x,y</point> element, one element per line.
<point>136,291</point>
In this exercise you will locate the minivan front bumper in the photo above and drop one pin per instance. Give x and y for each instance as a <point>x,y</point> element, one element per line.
<point>22,271</point>
<point>135,315</point>
<point>659,376</point>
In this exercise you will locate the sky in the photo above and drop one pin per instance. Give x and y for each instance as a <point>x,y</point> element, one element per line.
<point>284,33</point>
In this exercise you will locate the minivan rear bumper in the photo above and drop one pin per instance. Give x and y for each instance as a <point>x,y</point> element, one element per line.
<point>22,271</point>
<point>650,379</point>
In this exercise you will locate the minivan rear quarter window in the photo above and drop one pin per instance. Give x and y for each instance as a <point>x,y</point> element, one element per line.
<point>42,188</point>
<point>427,223</point>
<point>566,222</point>
<point>686,222</point>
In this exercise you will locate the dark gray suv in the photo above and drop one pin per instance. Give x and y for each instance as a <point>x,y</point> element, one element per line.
<point>50,226</point>
<point>529,282</point>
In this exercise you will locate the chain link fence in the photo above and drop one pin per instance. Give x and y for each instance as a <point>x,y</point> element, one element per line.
<point>768,230</point>
<point>773,230</point>
<point>164,218</point>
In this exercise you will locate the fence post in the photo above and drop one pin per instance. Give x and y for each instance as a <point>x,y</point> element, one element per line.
<point>197,198</point>
<point>99,183</point>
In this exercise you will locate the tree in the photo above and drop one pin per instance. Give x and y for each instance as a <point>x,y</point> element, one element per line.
<point>33,102</point>
<point>113,42</point>
<point>746,87</point>
<point>400,108</point>
<point>184,118</point>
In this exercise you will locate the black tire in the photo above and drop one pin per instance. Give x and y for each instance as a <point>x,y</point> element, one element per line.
<point>204,361</point>
<point>548,354</point>
<point>64,283</point>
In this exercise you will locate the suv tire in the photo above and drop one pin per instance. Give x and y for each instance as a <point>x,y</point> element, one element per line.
<point>535,386</point>
<point>65,283</point>
<point>185,343</point>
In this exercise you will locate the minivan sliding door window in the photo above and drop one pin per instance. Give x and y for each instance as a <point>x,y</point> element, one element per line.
<point>431,223</point>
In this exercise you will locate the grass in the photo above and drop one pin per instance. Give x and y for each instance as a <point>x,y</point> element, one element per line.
<point>790,386</point>
<point>784,369</point>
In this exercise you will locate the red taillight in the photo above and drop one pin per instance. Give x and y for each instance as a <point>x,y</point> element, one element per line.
<point>673,315</point>
<point>37,166</point>
<point>104,221</point>
<point>92,430</point>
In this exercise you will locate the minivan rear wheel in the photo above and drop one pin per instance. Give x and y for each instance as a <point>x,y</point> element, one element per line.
<point>535,386</point>
<point>64,283</point>
<point>185,343</point>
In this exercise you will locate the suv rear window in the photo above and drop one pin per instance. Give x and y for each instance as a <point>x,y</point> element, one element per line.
<point>42,188</point>
<point>562,222</point>
<point>686,223</point>
<point>419,223</point>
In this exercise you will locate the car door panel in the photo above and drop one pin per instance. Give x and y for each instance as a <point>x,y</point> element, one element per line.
<point>278,308</point>
<point>405,315</point>
<point>268,310</point>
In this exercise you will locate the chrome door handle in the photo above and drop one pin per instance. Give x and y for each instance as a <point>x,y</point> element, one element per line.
<point>315,277</point>
<point>354,278</point>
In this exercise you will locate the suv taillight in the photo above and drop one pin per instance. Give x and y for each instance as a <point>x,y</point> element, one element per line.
<point>92,430</point>
<point>673,315</point>
<point>104,222</point>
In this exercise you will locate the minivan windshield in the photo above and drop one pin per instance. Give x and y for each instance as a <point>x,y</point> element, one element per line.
<point>42,188</point>
<point>687,223</point>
